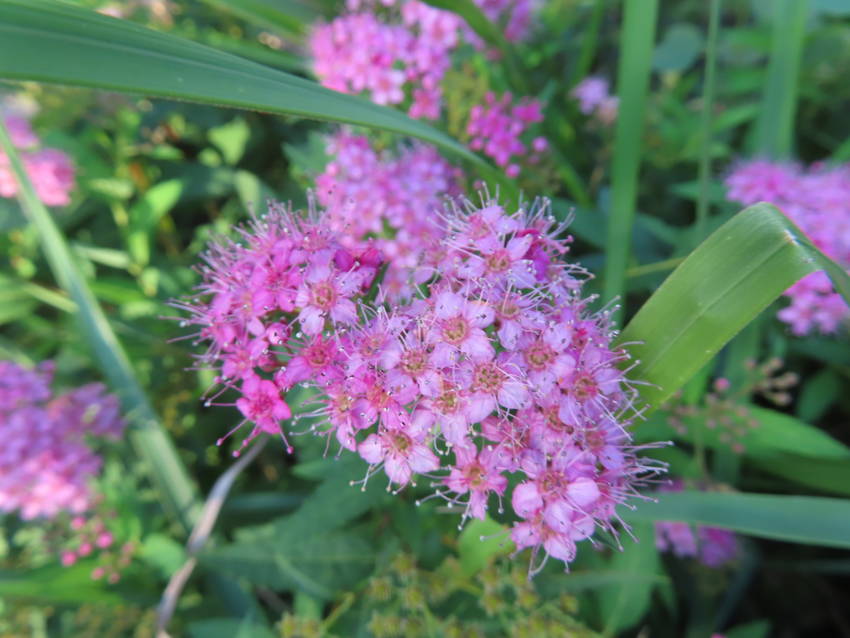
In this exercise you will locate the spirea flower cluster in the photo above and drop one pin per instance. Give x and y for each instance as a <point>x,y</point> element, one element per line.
<point>401,57</point>
<point>47,464</point>
<point>817,199</point>
<point>496,368</point>
<point>496,128</point>
<point>390,197</point>
<point>712,546</point>
<point>594,99</point>
<point>398,51</point>
<point>50,170</point>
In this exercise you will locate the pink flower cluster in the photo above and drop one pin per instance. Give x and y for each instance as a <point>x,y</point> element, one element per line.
<point>817,199</point>
<point>594,99</point>
<point>49,169</point>
<point>714,547</point>
<point>495,369</point>
<point>273,295</point>
<point>46,464</point>
<point>398,51</point>
<point>401,58</point>
<point>391,197</point>
<point>496,128</point>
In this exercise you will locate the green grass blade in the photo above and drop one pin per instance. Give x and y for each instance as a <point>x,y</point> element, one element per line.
<point>704,171</point>
<point>810,520</point>
<point>153,445</point>
<point>637,38</point>
<point>723,285</point>
<point>48,41</point>
<point>774,127</point>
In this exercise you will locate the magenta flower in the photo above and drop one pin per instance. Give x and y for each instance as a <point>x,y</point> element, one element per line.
<point>324,293</point>
<point>479,474</point>
<point>403,452</point>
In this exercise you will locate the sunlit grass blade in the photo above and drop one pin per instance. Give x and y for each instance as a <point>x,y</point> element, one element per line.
<point>48,41</point>
<point>704,171</point>
<point>637,39</point>
<point>155,448</point>
<point>725,283</point>
<point>809,520</point>
<point>774,127</point>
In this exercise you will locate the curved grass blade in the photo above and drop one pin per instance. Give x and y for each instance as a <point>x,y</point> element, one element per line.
<point>809,520</point>
<point>48,41</point>
<point>167,471</point>
<point>723,285</point>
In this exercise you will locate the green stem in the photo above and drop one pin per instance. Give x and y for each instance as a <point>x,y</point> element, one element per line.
<point>589,43</point>
<point>774,128</point>
<point>177,491</point>
<point>705,121</point>
<point>637,38</point>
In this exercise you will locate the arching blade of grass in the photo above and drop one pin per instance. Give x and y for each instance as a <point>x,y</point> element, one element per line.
<point>48,41</point>
<point>726,282</point>
<point>637,39</point>
<point>809,520</point>
<point>774,127</point>
<point>178,492</point>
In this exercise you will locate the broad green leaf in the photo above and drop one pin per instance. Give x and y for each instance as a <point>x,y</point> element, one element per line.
<point>145,215</point>
<point>231,139</point>
<point>177,491</point>
<point>809,520</point>
<point>48,41</point>
<point>296,558</point>
<point>723,285</point>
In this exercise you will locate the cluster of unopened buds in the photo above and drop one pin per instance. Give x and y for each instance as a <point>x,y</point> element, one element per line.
<point>495,368</point>
<point>50,170</point>
<point>817,199</point>
<point>725,409</point>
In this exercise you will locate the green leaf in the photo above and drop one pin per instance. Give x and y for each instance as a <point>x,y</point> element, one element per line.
<point>162,553</point>
<point>231,139</point>
<point>177,491</point>
<point>48,41</point>
<point>808,520</point>
<point>479,542</point>
<point>297,557</point>
<point>145,215</point>
<point>679,48</point>
<point>229,628</point>
<point>626,603</point>
<point>722,286</point>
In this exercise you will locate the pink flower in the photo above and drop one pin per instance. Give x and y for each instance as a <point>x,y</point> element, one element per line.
<point>324,293</point>
<point>459,329</point>
<point>261,403</point>
<point>402,451</point>
<point>476,473</point>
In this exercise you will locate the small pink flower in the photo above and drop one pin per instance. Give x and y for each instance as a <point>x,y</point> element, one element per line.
<point>402,451</point>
